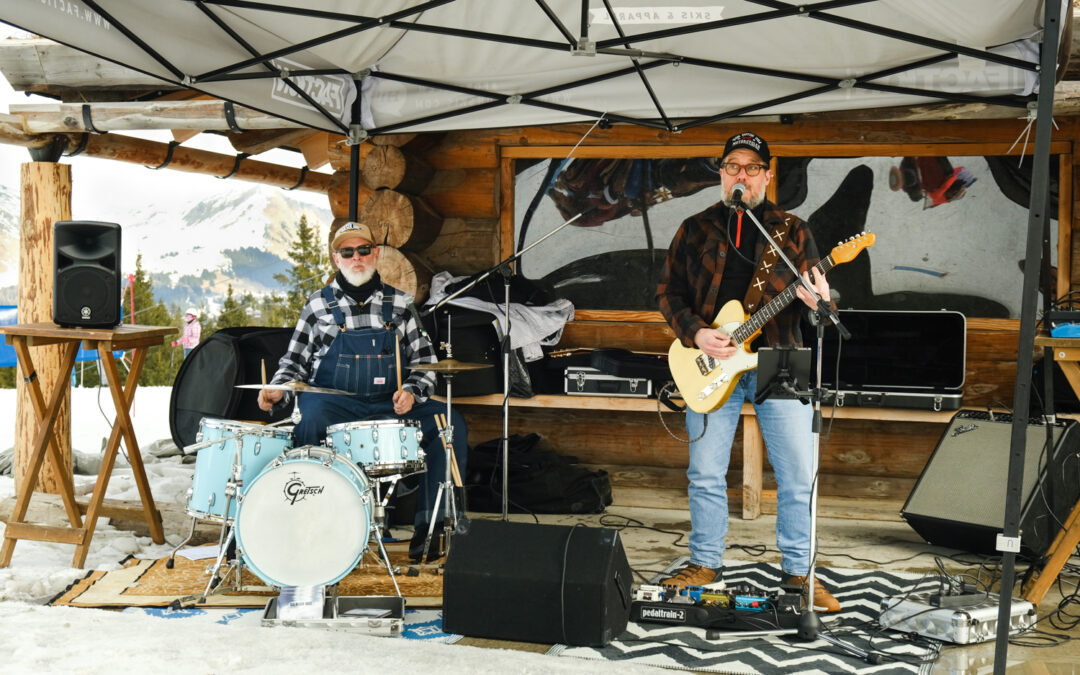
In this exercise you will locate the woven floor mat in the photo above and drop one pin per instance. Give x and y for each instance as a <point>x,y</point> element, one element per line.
<point>150,583</point>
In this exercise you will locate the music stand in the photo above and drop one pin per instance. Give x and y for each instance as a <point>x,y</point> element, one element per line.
<point>783,372</point>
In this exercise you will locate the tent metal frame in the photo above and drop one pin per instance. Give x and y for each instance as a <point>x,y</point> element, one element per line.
<point>581,44</point>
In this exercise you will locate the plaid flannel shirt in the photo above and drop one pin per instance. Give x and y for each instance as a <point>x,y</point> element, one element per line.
<point>688,293</point>
<point>316,329</point>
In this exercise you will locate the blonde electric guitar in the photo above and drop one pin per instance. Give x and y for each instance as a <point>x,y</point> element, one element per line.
<point>706,382</point>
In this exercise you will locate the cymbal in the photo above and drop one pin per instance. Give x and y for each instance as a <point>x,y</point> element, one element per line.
<point>298,387</point>
<point>448,366</point>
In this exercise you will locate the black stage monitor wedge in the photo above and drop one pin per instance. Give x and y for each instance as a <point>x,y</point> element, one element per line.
<point>959,500</point>
<point>86,274</point>
<point>537,583</point>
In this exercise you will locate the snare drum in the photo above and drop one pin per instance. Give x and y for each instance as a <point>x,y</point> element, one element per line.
<point>259,445</point>
<point>382,447</point>
<point>306,519</point>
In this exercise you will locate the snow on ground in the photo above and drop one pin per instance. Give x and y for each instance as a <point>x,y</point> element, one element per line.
<point>35,638</point>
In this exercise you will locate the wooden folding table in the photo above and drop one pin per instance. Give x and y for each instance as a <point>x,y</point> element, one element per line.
<point>136,338</point>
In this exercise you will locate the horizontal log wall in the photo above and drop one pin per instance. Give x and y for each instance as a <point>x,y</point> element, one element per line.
<point>472,188</point>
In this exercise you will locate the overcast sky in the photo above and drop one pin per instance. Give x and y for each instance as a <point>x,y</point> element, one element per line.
<point>97,183</point>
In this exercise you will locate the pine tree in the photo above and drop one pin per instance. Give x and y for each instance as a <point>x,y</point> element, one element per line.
<point>161,362</point>
<point>273,312</point>
<point>311,264</point>
<point>235,312</point>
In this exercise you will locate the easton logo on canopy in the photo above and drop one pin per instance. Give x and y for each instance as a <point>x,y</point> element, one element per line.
<point>329,91</point>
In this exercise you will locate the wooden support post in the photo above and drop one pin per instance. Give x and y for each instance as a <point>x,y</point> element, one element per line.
<point>45,198</point>
<point>753,448</point>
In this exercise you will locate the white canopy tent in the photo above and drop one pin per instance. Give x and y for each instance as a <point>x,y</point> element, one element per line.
<point>412,65</point>
<point>452,64</point>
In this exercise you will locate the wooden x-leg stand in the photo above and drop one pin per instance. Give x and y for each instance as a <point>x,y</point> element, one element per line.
<point>138,339</point>
<point>1067,355</point>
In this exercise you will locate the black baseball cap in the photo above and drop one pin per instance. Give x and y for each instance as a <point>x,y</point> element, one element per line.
<point>750,141</point>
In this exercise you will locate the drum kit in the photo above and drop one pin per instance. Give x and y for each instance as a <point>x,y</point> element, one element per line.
<point>305,516</point>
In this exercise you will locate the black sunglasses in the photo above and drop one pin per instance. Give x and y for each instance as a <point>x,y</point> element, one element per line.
<point>359,250</point>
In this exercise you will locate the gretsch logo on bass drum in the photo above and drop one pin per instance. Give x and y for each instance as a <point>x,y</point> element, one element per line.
<point>296,491</point>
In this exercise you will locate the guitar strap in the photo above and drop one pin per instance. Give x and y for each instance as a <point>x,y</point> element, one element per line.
<point>768,261</point>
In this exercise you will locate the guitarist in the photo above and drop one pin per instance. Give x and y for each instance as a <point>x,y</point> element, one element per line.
<point>717,256</point>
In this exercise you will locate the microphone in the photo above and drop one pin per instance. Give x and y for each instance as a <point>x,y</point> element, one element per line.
<point>737,191</point>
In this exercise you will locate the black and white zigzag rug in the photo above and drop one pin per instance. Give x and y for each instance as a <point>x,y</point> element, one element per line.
<point>859,591</point>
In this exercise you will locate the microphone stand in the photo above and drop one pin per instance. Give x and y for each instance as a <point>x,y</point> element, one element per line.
<point>809,622</point>
<point>507,273</point>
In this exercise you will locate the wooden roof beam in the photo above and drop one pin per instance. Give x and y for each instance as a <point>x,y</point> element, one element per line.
<point>153,154</point>
<point>47,118</point>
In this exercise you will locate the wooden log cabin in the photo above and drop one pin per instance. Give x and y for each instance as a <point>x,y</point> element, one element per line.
<point>455,194</point>
<point>870,454</point>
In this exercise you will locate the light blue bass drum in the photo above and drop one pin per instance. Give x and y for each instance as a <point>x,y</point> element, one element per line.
<point>306,519</point>
<point>258,444</point>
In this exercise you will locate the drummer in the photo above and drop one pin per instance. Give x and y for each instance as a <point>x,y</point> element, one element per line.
<point>348,337</point>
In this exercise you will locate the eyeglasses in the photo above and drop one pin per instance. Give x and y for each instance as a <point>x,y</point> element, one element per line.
<point>733,169</point>
<point>359,250</point>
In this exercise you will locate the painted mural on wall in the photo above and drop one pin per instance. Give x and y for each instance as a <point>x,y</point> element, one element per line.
<point>950,231</point>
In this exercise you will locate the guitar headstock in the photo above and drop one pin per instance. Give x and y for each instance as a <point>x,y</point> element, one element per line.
<point>846,251</point>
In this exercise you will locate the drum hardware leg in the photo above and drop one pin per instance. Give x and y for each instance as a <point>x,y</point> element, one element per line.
<point>225,518</point>
<point>378,523</point>
<point>452,478</point>
<point>431,523</point>
<point>172,556</point>
<point>386,560</point>
<point>224,546</point>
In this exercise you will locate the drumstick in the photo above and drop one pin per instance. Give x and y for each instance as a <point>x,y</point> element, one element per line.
<point>440,422</point>
<point>262,363</point>
<point>397,357</point>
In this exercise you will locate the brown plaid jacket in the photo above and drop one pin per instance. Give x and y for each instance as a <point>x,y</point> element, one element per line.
<point>688,293</point>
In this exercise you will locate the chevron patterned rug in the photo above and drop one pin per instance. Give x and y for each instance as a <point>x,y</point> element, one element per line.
<point>859,591</point>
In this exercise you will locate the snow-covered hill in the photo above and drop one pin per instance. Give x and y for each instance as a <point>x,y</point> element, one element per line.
<point>192,245</point>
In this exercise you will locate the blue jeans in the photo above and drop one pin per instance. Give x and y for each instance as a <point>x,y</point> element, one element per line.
<point>319,411</point>
<point>786,427</point>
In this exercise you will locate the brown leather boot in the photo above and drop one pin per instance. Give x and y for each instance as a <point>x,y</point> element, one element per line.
<point>692,575</point>
<point>823,599</point>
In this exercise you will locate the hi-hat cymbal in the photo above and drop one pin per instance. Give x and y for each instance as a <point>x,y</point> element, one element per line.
<point>298,387</point>
<point>448,366</point>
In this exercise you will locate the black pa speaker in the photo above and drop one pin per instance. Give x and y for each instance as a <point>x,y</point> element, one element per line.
<point>86,274</point>
<point>537,583</point>
<point>959,500</point>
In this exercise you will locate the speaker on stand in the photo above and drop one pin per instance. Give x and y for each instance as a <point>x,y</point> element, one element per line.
<point>537,583</point>
<point>86,274</point>
<point>959,500</point>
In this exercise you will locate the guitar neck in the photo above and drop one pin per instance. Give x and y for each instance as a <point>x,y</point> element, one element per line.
<point>774,306</point>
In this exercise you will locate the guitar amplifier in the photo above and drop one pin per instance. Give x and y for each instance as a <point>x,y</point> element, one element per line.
<point>894,359</point>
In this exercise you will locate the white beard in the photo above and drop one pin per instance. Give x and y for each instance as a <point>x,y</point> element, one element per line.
<point>358,278</point>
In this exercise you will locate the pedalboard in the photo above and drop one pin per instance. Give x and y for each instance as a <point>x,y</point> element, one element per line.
<point>742,608</point>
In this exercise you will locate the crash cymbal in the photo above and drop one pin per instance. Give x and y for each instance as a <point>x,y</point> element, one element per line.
<point>448,366</point>
<point>298,387</point>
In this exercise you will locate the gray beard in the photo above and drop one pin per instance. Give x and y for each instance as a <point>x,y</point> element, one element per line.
<point>358,279</point>
<point>750,203</point>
